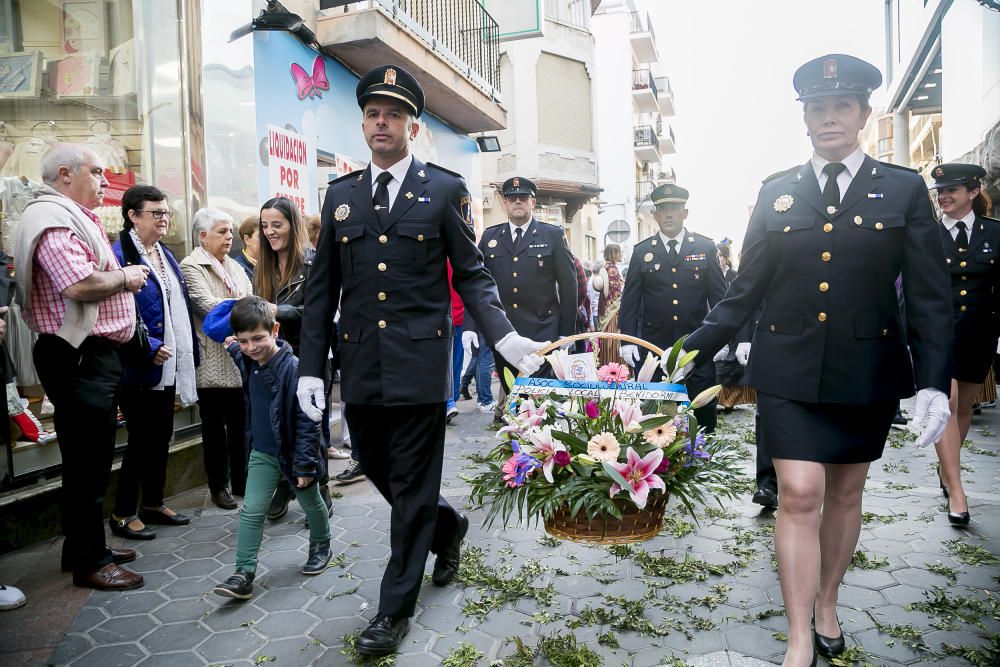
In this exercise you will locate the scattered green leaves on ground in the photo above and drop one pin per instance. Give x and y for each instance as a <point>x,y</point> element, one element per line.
<point>463,655</point>
<point>865,561</point>
<point>972,554</point>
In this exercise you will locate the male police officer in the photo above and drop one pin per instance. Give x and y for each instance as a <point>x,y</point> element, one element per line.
<point>673,280</point>
<point>387,233</point>
<point>533,269</point>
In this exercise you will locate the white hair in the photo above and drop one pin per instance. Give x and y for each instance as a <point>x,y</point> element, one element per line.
<point>71,156</point>
<point>206,218</point>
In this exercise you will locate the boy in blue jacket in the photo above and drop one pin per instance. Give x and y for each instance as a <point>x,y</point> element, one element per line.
<point>283,442</point>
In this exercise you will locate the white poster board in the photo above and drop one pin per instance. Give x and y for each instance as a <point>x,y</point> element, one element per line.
<point>517,19</point>
<point>288,167</point>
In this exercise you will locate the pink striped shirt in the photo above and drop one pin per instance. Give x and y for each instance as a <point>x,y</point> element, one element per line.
<point>62,259</point>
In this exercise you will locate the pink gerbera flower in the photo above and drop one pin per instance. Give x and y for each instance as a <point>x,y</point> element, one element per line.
<point>613,372</point>
<point>640,473</point>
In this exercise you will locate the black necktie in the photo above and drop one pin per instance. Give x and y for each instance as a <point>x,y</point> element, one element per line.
<point>831,191</point>
<point>517,238</point>
<point>963,238</point>
<point>381,198</point>
<point>673,250</point>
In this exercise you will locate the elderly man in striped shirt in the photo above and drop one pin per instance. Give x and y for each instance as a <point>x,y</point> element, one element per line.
<point>78,299</point>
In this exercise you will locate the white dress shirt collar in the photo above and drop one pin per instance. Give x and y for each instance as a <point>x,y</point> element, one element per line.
<point>398,172</point>
<point>950,224</point>
<point>513,228</point>
<point>852,162</point>
<point>679,237</point>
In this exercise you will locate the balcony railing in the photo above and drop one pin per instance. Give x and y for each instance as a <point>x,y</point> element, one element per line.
<point>641,23</point>
<point>642,80</point>
<point>462,27</point>
<point>643,189</point>
<point>663,85</point>
<point>645,135</point>
<point>575,13</point>
<point>659,129</point>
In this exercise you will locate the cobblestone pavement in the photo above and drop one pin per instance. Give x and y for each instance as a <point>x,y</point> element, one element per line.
<point>698,594</point>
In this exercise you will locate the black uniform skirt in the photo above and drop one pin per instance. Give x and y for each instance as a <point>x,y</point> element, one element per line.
<point>975,348</point>
<point>823,432</point>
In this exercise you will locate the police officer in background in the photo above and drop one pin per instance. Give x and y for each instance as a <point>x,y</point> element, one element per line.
<point>825,243</point>
<point>387,234</point>
<point>673,280</point>
<point>533,269</point>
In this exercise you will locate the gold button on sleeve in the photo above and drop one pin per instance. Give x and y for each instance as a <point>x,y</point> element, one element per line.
<point>821,317</point>
<point>382,296</point>
<point>343,239</point>
<point>382,266</point>
<point>826,256</point>
<point>381,324</point>
<point>420,237</point>
<point>383,239</point>
<point>824,287</point>
<point>828,227</point>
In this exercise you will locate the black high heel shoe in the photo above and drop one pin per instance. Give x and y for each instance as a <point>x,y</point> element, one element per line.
<point>944,489</point>
<point>958,519</point>
<point>829,647</point>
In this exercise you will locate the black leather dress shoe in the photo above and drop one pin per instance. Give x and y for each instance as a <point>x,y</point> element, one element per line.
<point>448,561</point>
<point>158,516</point>
<point>828,647</point>
<point>120,527</point>
<point>382,636</point>
<point>766,496</point>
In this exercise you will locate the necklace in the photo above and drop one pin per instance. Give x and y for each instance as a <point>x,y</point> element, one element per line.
<point>156,260</point>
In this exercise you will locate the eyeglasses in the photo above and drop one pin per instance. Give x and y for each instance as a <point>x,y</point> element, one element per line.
<point>159,215</point>
<point>513,198</point>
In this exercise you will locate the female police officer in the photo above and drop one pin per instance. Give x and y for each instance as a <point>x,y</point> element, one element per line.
<point>824,246</point>
<point>971,244</point>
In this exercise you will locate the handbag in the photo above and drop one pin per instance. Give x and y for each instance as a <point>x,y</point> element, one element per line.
<point>138,349</point>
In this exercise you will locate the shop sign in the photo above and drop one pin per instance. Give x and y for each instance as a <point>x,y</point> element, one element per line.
<point>288,164</point>
<point>550,214</point>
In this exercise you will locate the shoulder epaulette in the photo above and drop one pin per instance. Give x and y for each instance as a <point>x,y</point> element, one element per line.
<point>898,166</point>
<point>552,224</point>
<point>346,176</point>
<point>702,237</point>
<point>447,171</point>
<point>780,173</point>
<point>986,217</point>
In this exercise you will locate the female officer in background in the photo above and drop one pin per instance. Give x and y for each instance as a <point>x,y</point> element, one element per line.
<point>824,246</point>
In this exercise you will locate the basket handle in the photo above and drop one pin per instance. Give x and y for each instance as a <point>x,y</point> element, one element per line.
<point>600,334</point>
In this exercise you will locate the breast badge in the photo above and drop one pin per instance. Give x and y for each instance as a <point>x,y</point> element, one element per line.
<point>783,203</point>
<point>648,257</point>
<point>342,212</point>
<point>492,243</point>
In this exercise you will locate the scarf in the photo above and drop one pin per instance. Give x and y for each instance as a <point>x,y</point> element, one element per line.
<point>205,257</point>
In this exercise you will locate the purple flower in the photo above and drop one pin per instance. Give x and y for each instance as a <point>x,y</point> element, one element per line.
<point>519,467</point>
<point>561,458</point>
<point>592,410</point>
<point>696,452</point>
<point>663,467</point>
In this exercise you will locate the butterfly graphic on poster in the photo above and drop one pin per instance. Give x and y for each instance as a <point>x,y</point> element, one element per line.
<point>310,86</point>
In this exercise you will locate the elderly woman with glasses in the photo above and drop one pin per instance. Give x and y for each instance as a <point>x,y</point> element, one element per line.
<point>150,387</point>
<point>213,276</point>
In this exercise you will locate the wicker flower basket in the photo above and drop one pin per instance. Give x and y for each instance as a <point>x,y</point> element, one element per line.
<point>636,525</point>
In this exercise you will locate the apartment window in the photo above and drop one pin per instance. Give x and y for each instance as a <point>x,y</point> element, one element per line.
<point>564,109</point>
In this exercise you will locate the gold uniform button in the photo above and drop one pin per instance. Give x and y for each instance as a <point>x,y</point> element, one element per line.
<point>675,318</point>
<point>515,306</point>
<point>676,302</point>
<point>343,239</point>
<point>439,332</point>
<point>963,309</point>
<point>514,275</point>
<point>858,220</point>
<point>965,277</point>
<point>382,266</point>
<point>885,332</point>
<point>879,226</point>
<point>787,228</point>
<point>674,270</point>
<point>383,239</point>
<point>381,324</point>
<point>420,237</point>
<point>828,227</point>
<point>821,317</point>
<point>826,256</point>
<point>346,337</point>
<point>382,296</point>
<point>771,328</point>
<point>515,259</point>
<point>824,287</point>
<point>962,263</point>
<point>515,290</point>
<point>963,293</point>
<point>675,285</point>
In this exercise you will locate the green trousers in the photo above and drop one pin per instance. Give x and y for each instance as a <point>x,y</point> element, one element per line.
<point>263,475</point>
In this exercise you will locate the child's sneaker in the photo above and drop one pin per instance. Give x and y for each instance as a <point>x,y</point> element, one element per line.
<point>239,586</point>
<point>319,558</point>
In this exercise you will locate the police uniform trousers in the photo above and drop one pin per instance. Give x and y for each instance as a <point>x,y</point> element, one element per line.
<point>401,449</point>
<point>823,432</point>
<point>975,348</point>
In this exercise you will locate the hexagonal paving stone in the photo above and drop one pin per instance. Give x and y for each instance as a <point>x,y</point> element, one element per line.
<point>88,618</point>
<point>174,636</point>
<point>135,602</point>
<point>154,562</point>
<point>70,648</point>
<point>206,534</point>
<point>282,624</point>
<point>875,579</point>
<point>752,640</point>
<point>283,559</point>
<point>196,567</point>
<point>200,550</point>
<point>183,610</point>
<point>180,659</point>
<point>859,598</point>
<point>445,644</point>
<point>293,651</point>
<point>229,646</point>
<point>902,595</point>
<point>443,620</point>
<point>120,655</point>
<point>122,629</point>
<point>330,632</point>
<point>192,587</point>
<point>283,599</point>
<point>876,643</point>
<point>231,615</point>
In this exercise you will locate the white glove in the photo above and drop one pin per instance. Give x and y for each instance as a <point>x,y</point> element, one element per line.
<point>520,351</point>
<point>743,353</point>
<point>312,397</point>
<point>470,340</point>
<point>721,354</point>
<point>630,355</point>
<point>932,406</point>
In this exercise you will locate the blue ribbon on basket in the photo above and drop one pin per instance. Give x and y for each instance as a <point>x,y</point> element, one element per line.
<point>664,391</point>
<point>217,326</point>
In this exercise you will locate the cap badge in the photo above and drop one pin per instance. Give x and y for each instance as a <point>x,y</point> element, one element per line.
<point>390,77</point>
<point>492,243</point>
<point>667,190</point>
<point>783,203</point>
<point>342,212</point>
<point>830,68</point>
<point>938,172</point>
<point>648,257</point>
<point>517,182</point>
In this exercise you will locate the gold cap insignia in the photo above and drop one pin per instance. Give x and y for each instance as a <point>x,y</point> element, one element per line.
<point>492,243</point>
<point>666,190</point>
<point>830,68</point>
<point>938,172</point>
<point>783,203</point>
<point>390,77</point>
<point>517,182</point>
<point>648,257</point>
<point>342,212</point>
